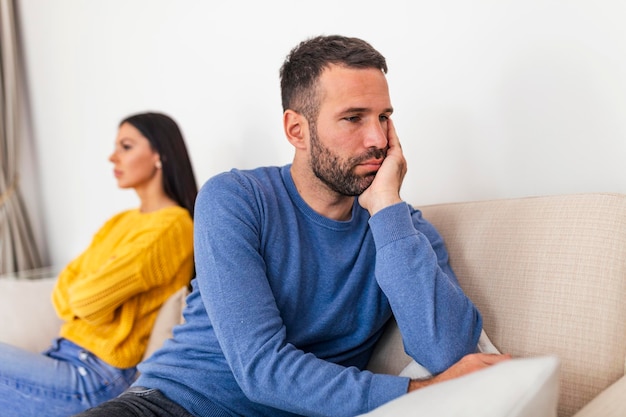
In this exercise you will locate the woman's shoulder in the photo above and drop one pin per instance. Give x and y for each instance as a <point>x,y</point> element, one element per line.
<point>120,217</point>
<point>169,216</point>
<point>160,219</point>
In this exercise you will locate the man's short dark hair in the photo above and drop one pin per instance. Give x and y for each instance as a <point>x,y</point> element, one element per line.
<point>304,65</point>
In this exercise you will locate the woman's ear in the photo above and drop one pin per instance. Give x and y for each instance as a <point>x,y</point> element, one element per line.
<point>296,128</point>
<point>157,160</point>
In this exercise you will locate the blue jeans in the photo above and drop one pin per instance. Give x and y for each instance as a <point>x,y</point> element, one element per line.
<point>62,381</point>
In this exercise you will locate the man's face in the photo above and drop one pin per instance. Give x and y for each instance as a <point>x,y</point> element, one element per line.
<point>349,139</point>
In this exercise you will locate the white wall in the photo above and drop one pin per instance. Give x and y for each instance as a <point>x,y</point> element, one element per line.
<point>493,98</point>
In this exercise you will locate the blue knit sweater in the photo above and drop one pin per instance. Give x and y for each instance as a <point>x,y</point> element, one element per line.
<point>287,304</point>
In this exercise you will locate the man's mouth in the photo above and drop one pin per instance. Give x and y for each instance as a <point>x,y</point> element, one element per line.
<point>372,164</point>
<point>372,161</point>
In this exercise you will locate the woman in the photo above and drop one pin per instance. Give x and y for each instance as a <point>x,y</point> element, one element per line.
<point>109,296</point>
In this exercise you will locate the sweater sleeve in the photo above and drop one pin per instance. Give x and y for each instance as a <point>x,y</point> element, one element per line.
<point>141,260</point>
<point>71,272</point>
<point>438,322</point>
<point>231,276</point>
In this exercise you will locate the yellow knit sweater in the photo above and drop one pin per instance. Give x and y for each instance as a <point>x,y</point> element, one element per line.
<point>109,296</point>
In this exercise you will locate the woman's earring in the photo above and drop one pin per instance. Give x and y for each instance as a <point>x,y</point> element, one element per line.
<point>158,165</point>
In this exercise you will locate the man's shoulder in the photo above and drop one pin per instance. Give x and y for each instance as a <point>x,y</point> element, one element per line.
<point>242,196</point>
<point>249,179</point>
<point>261,174</point>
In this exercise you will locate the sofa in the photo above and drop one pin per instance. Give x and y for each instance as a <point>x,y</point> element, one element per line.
<point>549,277</point>
<point>547,273</point>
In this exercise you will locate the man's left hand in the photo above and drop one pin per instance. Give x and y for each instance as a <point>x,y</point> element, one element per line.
<point>385,189</point>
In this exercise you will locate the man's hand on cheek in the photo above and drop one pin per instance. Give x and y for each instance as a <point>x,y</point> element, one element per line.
<point>385,189</point>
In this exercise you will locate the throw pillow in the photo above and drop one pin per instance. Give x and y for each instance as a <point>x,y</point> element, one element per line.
<point>526,387</point>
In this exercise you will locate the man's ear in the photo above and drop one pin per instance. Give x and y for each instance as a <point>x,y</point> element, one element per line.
<point>296,128</point>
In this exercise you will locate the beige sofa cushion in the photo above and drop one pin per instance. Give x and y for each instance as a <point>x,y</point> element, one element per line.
<point>610,403</point>
<point>170,315</point>
<point>548,275</point>
<point>28,318</point>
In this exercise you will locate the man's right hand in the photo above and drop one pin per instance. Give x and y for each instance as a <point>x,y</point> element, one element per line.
<point>468,364</point>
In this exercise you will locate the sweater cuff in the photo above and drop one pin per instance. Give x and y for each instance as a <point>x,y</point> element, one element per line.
<point>392,223</point>
<point>385,388</point>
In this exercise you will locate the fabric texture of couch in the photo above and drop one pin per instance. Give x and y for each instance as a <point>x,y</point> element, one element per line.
<point>30,322</point>
<point>548,274</point>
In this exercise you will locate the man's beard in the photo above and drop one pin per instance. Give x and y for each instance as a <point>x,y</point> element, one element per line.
<point>339,174</point>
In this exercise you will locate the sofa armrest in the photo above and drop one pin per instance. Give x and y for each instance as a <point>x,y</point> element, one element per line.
<point>609,403</point>
<point>28,317</point>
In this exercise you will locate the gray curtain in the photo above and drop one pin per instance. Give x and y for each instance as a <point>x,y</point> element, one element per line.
<point>18,250</point>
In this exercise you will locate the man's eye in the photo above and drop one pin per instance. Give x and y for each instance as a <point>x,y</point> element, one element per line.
<point>353,118</point>
<point>384,118</point>
<point>126,147</point>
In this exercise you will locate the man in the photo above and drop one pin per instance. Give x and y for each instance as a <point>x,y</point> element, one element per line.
<point>300,267</point>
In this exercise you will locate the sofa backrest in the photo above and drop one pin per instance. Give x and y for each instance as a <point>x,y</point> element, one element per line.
<point>170,315</point>
<point>549,277</point>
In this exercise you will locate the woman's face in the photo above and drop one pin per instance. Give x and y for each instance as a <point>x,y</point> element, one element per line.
<point>135,162</point>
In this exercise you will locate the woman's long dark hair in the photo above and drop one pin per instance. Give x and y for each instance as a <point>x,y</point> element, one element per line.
<point>179,182</point>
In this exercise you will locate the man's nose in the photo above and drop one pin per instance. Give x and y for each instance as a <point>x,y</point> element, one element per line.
<point>376,135</point>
